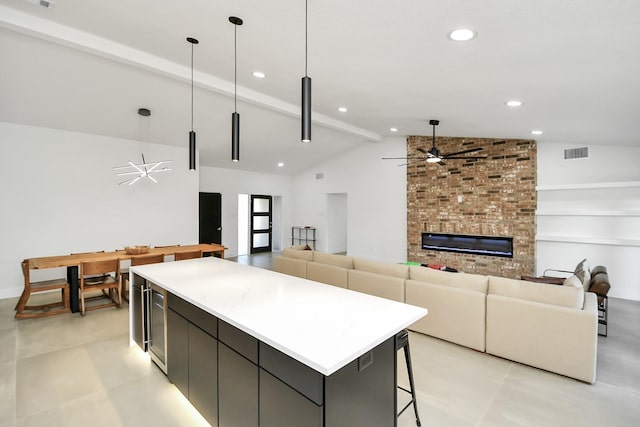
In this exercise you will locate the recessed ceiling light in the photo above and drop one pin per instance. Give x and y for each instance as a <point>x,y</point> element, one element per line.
<point>514,103</point>
<point>259,74</point>
<point>462,35</point>
<point>342,109</point>
<point>393,129</point>
<point>536,132</point>
<point>280,165</point>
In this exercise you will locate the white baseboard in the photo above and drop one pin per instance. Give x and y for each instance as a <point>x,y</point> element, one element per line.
<point>10,293</point>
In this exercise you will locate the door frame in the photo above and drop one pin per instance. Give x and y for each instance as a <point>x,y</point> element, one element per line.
<point>269,230</point>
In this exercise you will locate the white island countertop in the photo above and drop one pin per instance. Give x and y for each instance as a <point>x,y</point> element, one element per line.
<point>323,326</point>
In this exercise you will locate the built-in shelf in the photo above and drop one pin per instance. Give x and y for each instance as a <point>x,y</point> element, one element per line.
<point>587,240</point>
<point>590,186</point>
<point>574,212</point>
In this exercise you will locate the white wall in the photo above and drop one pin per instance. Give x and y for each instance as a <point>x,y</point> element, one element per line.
<point>230,183</point>
<point>577,219</point>
<point>337,225</point>
<point>59,195</point>
<point>377,199</point>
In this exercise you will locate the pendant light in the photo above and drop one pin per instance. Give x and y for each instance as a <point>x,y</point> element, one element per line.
<point>235,117</point>
<point>192,133</point>
<point>306,88</point>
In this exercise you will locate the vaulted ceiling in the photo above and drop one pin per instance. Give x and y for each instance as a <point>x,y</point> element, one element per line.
<point>88,65</point>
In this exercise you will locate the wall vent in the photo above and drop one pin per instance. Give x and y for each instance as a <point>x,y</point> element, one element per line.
<point>320,175</point>
<point>576,153</point>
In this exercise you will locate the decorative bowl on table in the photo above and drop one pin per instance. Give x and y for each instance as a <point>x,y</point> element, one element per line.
<point>136,250</point>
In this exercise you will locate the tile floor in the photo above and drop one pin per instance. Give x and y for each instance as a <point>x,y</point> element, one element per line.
<point>68,370</point>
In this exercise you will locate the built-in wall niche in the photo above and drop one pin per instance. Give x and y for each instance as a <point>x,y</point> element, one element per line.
<point>489,197</point>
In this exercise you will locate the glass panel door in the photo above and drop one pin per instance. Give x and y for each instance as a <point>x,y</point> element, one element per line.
<point>261,223</point>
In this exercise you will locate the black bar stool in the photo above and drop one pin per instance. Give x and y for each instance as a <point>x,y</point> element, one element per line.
<point>402,341</point>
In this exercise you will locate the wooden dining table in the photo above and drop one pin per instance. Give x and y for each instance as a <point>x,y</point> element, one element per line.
<point>73,261</point>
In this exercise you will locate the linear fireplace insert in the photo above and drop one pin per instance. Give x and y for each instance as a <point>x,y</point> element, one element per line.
<point>468,244</point>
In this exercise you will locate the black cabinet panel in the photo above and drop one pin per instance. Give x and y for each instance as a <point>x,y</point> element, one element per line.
<point>298,375</point>
<point>205,321</point>
<point>366,397</point>
<point>240,341</point>
<point>237,388</point>
<point>203,373</point>
<point>178,351</point>
<point>282,406</point>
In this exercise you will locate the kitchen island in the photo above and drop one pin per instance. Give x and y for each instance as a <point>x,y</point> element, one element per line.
<point>253,347</point>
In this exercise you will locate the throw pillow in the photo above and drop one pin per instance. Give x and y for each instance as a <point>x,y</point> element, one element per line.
<point>573,281</point>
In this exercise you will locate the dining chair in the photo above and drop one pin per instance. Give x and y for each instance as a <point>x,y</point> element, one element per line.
<point>179,256</point>
<point>137,260</point>
<point>24,311</point>
<point>103,275</point>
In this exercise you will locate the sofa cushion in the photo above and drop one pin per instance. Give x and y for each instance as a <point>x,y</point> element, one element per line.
<point>290,266</point>
<point>384,268</point>
<point>299,254</point>
<point>472,282</point>
<point>332,259</point>
<point>376,284</point>
<point>564,296</point>
<point>456,315</point>
<point>325,273</point>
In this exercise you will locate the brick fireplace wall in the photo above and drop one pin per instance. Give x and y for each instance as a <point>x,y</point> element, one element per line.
<point>498,199</point>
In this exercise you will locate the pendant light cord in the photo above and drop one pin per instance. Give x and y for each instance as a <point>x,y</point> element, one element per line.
<point>306,44</point>
<point>192,86</point>
<point>235,69</point>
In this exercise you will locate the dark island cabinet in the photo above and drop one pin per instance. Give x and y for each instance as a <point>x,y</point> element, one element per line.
<point>203,373</point>
<point>192,356</point>
<point>235,380</point>
<point>283,406</point>
<point>238,385</point>
<point>178,351</point>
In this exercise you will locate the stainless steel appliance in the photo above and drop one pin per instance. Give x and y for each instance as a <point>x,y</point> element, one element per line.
<point>149,305</point>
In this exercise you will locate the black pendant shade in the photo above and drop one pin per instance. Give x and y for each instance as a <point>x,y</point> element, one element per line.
<point>235,137</point>
<point>306,109</point>
<point>192,150</point>
<point>235,117</point>
<point>192,133</point>
<point>306,88</point>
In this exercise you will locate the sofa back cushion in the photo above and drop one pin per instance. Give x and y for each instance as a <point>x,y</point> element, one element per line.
<point>384,268</point>
<point>564,296</point>
<point>325,273</point>
<point>298,254</point>
<point>472,282</point>
<point>332,259</point>
<point>290,266</point>
<point>383,286</point>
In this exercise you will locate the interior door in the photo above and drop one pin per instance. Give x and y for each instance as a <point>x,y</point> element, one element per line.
<point>210,224</point>
<point>261,223</point>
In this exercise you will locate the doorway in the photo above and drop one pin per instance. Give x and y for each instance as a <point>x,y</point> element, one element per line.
<point>261,223</point>
<point>337,223</point>
<point>210,218</point>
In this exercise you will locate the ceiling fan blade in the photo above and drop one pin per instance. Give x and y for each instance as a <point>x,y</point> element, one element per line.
<point>422,150</point>
<point>470,150</point>
<point>415,162</point>
<point>465,158</point>
<point>404,158</point>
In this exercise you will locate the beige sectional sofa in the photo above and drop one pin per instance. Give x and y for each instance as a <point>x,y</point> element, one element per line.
<point>546,326</point>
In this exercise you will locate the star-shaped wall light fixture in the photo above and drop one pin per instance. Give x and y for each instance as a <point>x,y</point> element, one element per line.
<point>141,170</point>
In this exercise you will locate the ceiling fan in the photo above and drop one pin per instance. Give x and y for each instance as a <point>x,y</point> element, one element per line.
<point>433,155</point>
